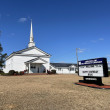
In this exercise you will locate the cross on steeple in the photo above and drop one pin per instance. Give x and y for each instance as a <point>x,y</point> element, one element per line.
<point>31,43</point>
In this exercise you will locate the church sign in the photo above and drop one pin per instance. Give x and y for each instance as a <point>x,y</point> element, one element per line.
<point>93,67</point>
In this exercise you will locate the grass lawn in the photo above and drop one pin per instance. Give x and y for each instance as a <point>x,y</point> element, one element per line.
<point>51,92</point>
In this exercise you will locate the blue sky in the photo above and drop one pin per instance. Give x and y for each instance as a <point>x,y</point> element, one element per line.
<point>59,26</point>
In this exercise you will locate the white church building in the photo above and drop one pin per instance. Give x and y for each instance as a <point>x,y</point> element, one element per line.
<point>34,60</point>
<point>31,59</point>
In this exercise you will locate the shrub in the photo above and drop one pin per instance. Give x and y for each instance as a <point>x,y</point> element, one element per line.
<point>6,74</point>
<point>53,72</point>
<point>76,71</point>
<point>109,73</point>
<point>21,73</point>
<point>11,72</point>
<point>1,72</point>
<point>44,71</point>
<point>16,73</point>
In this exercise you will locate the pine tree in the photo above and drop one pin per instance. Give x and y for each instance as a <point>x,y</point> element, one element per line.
<point>2,57</point>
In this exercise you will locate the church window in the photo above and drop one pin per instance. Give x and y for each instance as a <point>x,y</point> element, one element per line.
<point>33,67</point>
<point>59,69</point>
<point>71,69</point>
<point>50,67</point>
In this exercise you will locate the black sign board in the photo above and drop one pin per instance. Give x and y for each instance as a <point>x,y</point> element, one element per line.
<point>93,67</point>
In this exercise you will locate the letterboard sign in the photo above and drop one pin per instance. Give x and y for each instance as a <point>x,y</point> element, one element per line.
<point>93,67</point>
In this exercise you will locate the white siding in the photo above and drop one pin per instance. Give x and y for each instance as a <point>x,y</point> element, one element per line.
<point>64,70</point>
<point>33,51</point>
<point>9,65</point>
<point>17,63</point>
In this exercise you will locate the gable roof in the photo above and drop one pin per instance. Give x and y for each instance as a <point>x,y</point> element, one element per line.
<point>35,59</point>
<point>26,49</point>
<point>62,64</point>
<point>29,48</point>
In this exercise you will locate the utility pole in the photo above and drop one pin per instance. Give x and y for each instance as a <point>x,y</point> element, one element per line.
<point>77,56</point>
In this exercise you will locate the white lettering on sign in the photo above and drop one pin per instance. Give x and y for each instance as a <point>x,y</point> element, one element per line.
<point>91,70</point>
<point>93,67</point>
<point>89,62</point>
<point>91,78</point>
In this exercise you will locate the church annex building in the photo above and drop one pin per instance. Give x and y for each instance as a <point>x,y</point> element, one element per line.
<point>34,60</point>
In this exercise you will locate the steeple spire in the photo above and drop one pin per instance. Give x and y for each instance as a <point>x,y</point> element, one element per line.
<point>31,43</point>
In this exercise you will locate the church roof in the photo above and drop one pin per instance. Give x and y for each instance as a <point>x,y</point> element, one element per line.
<point>35,59</point>
<point>62,64</point>
<point>26,49</point>
<point>31,45</point>
<point>29,48</point>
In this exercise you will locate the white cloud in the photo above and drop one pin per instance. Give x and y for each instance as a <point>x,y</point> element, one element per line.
<point>62,62</point>
<point>93,41</point>
<point>108,55</point>
<point>101,39</point>
<point>22,19</point>
<point>81,50</point>
<point>108,64</point>
<point>7,15</point>
<point>12,34</point>
<point>29,17</point>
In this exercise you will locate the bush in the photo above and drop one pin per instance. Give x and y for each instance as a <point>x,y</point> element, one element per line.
<point>1,72</point>
<point>53,72</point>
<point>11,72</point>
<point>16,73</point>
<point>109,73</point>
<point>6,74</point>
<point>21,73</point>
<point>76,71</point>
<point>44,71</point>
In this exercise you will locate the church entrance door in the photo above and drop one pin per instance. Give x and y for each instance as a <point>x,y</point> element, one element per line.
<point>38,68</point>
<point>33,68</point>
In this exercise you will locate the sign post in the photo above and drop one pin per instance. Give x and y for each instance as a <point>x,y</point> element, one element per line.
<point>93,70</point>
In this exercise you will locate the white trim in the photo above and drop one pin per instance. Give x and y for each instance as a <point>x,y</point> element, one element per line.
<point>24,50</point>
<point>32,60</point>
<point>32,55</point>
<point>29,67</point>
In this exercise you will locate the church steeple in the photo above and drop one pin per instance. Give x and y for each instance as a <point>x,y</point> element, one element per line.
<point>31,43</point>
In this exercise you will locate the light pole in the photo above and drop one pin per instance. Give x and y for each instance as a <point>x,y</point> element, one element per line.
<point>77,56</point>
